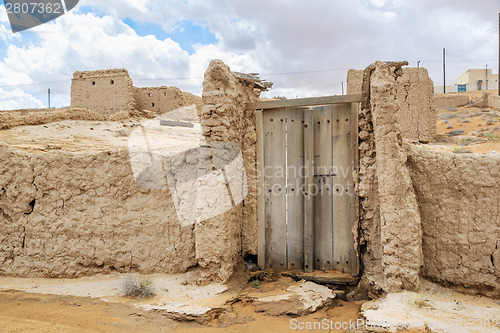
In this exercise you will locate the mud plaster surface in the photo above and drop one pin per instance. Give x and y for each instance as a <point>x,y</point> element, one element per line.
<point>67,214</point>
<point>225,119</point>
<point>400,231</point>
<point>459,203</point>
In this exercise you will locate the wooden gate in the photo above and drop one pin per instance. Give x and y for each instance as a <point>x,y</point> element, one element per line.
<point>307,204</point>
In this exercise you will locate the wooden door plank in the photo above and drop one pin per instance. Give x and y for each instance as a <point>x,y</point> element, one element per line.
<point>274,188</point>
<point>354,154</point>
<point>323,227</point>
<point>307,193</point>
<point>295,182</point>
<point>344,255</point>
<point>261,232</point>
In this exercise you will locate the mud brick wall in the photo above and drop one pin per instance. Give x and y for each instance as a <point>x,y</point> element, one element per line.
<point>415,94</point>
<point>160,100</point>
<point>448,101</point>
<point>391,234</point>
<point>111,94</point>
<point>354,81</point>
<point>105,91</point>
<point>68,214</point>
<point>459,201</point>
<point>10,119</point>
<point>225,119</point>
<point>489,100</point>
<point>417,113</point>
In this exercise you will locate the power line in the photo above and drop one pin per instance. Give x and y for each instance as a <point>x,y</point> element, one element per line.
<point>308,72</point>
<point>479,43</point>
<point>171,79</point>
<point>56,91</point>
<point>33,84</point>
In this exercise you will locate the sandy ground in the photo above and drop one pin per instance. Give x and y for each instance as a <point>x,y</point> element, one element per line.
<point>437,308</point>
<point>43,305</point>
<point>476,131</point>
<point>23,312</point>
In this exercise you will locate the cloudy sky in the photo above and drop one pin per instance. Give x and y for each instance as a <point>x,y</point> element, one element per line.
<point>304,47</point>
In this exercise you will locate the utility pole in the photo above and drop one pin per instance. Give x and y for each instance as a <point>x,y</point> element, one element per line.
<point>486,76</point>
<point>342,87</point>
<point>49,98</point>
<point>444,71</point>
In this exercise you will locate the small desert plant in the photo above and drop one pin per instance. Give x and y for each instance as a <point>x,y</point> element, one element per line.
<point>135,285</point>
<point>256,284</point>
<point>469,141</point>
<point>491,136</point>
<point>461,150</point>
<point>421,302</point>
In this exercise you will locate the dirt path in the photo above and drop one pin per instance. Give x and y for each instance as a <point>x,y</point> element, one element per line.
<point>23,312</point>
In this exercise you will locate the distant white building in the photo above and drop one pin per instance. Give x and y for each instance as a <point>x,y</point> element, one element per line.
<point>476,79</point>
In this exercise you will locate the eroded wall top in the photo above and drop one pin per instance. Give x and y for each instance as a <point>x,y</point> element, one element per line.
<point>415,94</point>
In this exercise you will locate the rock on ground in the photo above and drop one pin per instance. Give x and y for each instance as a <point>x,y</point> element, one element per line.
<point>300,299</point>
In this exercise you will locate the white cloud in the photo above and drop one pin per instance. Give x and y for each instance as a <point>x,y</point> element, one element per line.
<point>122,8</point>
<point>378,3</point>
<point>17,99</point>
<point>3,15</point>
<point>258,36</point>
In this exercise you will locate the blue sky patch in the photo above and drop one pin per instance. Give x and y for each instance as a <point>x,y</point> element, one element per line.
<point>186,34</point>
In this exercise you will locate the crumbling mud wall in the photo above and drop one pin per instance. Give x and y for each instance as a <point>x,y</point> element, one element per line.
<point>422,213</point>
<point>225,119</point>
<point>354,81</point>
<point>448,101</point>
<point>10,119</point>
<point>415,94</point>
<point>391,235</point>
<point>369,217</point>
<point>161,100</point>
<point>458,197</point>
<point>68,214</point>
<point>104,91</point>
<point>417,113</point>
<point>112,94</point>
<point>489,100</point>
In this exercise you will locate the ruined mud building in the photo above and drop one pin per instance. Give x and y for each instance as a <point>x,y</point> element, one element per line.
<point>422,214</point>
<point>112,94</point>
